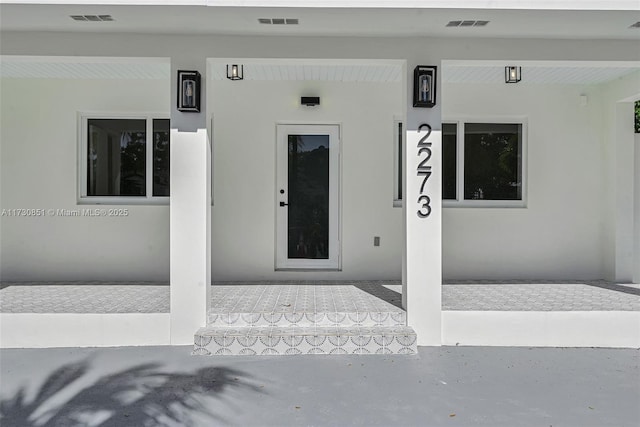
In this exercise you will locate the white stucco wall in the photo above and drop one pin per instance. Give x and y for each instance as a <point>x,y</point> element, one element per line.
<point>39,140</point>
<point>72,248</point>
<point>559,235</point>
<point>244,168</point>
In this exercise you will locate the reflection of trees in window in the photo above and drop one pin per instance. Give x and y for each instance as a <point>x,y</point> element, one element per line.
<point>308,182</point>
<point>449,161</point>
<point>116,156</point>
<point>161,157</point>
<point>492,168</point>
<point>637,116</point>
<point>133,161</point>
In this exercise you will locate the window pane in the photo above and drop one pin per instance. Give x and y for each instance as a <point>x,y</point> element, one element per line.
<point>449,161</point>
<point>492,161</point>
<point>116,157</point>
<point>161,157</point>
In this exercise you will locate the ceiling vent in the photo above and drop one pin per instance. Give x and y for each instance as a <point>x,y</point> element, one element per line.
<point>636,25</point>
<point>92,18</point>
<point>278,21</point>
<point>467,23</point>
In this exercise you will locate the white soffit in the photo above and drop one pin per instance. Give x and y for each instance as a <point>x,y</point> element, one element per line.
<point>325,21</point>
<point>300,71</point>
<point>83,68</point>
<point>131,68</point>
<point>535,74</point>
<point>425,4</point>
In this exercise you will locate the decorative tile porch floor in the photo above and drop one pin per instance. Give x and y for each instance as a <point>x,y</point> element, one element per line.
<point>358,317</point>
<point>145,297</point>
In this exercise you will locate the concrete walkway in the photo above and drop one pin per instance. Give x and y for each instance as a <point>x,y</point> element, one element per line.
<point>445,386</point>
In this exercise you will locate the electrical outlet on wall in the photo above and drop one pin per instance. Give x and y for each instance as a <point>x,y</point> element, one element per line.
<point>376,241</point>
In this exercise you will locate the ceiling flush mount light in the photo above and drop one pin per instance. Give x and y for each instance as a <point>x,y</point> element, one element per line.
<point>424,86</point>
<point>235,72</point>
<point>512,74</point>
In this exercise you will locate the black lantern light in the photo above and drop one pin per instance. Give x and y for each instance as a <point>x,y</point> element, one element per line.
<point>235,72</point>
<point>424,86</point>
<point>512,74</point>
<point>188,91</point>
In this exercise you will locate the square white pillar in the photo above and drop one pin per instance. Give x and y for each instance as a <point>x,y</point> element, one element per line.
<point>422,212</point>
<point>423,222</point>
<point>190,234</point>
<point>624,187</point>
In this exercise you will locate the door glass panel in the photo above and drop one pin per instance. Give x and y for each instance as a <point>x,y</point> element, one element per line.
<point>308,210</point>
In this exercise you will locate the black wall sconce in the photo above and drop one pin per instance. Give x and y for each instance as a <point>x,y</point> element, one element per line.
<point>424,86</point>
<point>188,91</point>
<point>512,74</point>
<point>310,101</point>
<point>235,72</point>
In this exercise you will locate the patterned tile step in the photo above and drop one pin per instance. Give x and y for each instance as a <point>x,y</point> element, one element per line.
<point>269,340</point>
<point>309,319</point>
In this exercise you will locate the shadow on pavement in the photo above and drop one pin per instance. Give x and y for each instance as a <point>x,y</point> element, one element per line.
<point>140,396</point>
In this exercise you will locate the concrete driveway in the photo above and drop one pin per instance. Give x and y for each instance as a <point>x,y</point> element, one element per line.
<point>445,386</point>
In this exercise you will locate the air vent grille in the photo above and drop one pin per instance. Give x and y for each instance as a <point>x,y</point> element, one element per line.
<point>636,25</point>
<point>467,23</point>
<point>278,21</point>
<point>92,18</point>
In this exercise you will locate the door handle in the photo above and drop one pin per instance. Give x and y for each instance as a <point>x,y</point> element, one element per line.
<point>284,204</point>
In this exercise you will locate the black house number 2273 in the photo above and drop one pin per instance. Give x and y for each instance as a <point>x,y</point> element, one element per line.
<point>424,172</point>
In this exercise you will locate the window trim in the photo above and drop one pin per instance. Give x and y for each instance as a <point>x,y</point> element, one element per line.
<point>81,170</point>
<point>460,202</point>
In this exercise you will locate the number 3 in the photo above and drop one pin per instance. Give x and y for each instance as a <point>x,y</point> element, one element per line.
<point>425,206</point>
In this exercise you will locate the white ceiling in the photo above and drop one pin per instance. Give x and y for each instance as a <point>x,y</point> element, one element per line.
<point>536,74</point>
<point>513,23</point>
<point>70,68</point>
<point>312,70</point>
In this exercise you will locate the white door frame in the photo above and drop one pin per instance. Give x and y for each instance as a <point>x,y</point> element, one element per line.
<point>282,261</point>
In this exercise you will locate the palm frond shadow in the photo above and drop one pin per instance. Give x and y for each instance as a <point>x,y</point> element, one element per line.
<point>143,395</point>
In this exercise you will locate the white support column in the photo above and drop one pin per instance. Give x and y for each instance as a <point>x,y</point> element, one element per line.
<point>190,215</point>
<point>624,180</point>
<point>422,207</point>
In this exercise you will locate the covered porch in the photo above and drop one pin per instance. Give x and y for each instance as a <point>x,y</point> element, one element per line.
<point>554,195</point>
